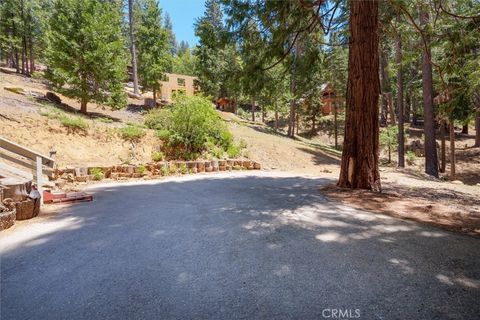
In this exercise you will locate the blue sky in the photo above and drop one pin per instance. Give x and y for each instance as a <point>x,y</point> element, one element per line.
<point>183,14</point>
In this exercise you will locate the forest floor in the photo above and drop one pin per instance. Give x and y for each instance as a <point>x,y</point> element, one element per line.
<point>407,193</point>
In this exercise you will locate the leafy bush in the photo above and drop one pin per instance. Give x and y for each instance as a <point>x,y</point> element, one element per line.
<point>157,156</point>
<point>141,169</point>
<point>157,119</point>
<point>163,135</point>
<point>190,127</point>
<point>183,168</point>
<point>388,140</point>
<point>97,173</point>
<point>132,132</point>
<point>233,151</point>
<point>164,170</point>
<point>411,157</point>
<point>73,123</point>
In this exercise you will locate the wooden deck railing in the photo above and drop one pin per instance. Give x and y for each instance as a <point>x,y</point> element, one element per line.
<point>35,163</point>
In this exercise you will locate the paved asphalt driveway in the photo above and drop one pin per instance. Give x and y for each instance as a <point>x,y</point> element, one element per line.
<point>238,246</point>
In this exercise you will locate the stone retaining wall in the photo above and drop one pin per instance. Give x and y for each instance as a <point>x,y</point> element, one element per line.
<point>153,169</point>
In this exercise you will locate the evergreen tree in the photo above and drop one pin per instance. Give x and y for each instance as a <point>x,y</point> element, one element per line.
<point>86,51</point>
<point>171,35</point>
<point>154,54</point>
<point>209,52</point>
<point>184,61</point>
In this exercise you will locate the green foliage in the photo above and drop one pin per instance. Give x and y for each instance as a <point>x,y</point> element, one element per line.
<point>141,169</point>
<point>85,54</point>
<point>184,62</point>
<point>154,49</point>
<point>157,119</point>
<point>73,123</point>
<point>211,63</point>
<point>97,173</point>
<point>132,132</point>
<point>172,169</point>
<point>164,135</point>
<point>388,140</point>
<point>410,157</point>
<point>233,151</point>
<point>164,170</point>
<point>192,126</point>
<point>157,156</point>
<point>183,168</point>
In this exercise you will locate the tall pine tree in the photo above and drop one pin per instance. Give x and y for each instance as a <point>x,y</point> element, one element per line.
<point>154,52</point>
<point>86,51</point>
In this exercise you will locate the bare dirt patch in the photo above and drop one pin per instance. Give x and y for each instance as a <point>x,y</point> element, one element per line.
<point>444,208</point>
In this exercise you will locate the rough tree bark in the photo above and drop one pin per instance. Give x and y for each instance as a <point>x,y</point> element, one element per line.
<point>477,129</point>
<point>133,50</point>
<point>400,106</point>
<point>335,122</point>
<point>384,87</point>
<point>276,118</point>
<point>452,151</point>
<point>408,102</point>
<point>253,109</point>
<point>443,157</point>
<point>83,106</point>
<point>431,158</point>
<point>359,167</point>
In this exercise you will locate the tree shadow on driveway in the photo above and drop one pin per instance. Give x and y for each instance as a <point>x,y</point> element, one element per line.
<point>245,246</point>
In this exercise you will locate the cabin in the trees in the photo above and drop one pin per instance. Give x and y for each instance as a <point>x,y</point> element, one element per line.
<point>329,98</point>
<point>173,83</point>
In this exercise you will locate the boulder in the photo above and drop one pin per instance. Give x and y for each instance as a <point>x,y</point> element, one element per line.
<point>53,97</point>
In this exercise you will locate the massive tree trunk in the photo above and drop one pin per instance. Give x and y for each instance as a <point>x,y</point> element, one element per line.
<point>465,129</point>
<point>401,137</point>
<point>133,50</point>
<point>431,159</point>
<point>359,168</point>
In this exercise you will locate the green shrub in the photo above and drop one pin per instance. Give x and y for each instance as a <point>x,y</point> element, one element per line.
<point>411,157</point>
<point>190,127</point>
<point>132,132</point>
<point>172,169</point>
<point>157,156</point>
<point>97,173</point>
<point>183,168</point>
<point>164,170</point>
<point>242,144</point>
<point>388,140</point>
<point>141,169</point>
<point>233,151</point>
<point>73,123</point>
<point>163,135</point>
<point>157,119</point>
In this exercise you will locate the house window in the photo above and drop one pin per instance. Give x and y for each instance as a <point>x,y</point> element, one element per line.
<point>164,78</point>
<point>181,82</point>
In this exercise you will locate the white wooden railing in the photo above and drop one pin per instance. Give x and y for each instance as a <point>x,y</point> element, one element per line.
<point>36,164</point>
